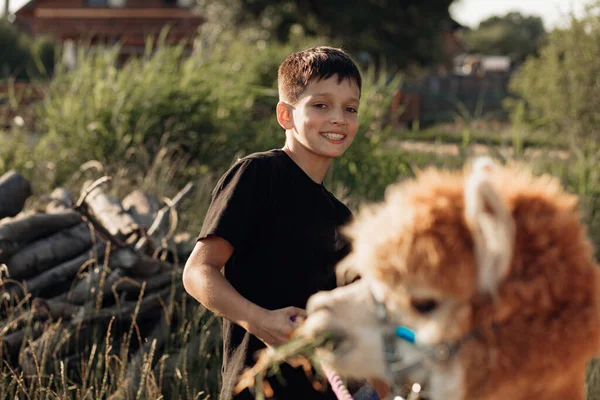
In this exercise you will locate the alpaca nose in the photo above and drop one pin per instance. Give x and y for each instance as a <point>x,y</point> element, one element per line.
<point>318,302</point>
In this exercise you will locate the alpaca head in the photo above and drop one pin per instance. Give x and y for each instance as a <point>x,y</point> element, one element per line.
<point>490,260</point>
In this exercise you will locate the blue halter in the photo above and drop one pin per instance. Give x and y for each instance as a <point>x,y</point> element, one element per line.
<point>405,334</point>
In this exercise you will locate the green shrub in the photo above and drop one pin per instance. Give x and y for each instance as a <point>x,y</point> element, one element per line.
<point>23,57</point>
<point>14,52</point>
<point>100,112</point>
<point>561,87</point>
<point>217,104</point>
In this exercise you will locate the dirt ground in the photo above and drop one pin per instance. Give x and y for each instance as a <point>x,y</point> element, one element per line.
<point>452,149</point>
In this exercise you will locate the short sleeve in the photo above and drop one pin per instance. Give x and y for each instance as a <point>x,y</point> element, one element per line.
<point>236,202</point>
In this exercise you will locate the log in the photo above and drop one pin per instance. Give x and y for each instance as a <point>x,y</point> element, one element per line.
<point>137,264</point>
<point>19,216</point>
<point>124,312</point>
<point>20,319</point>
<point>64,272</point>
<point>86,289</point>
<point>14,190</point>
<point>60,309</point>
<point>148,266</point>
<point>46,253</point>
<point>133,286</point>
<point>122,262</point>
<point>7,249</point>
<point>14,235</point>
<point>106,213</point>
<point>142,207</point>
<point>11,344</point>
<point>117,282</point>
<point>38,225</point>
<point>87,313</point>
<point>124,258</point>
<point>61,200</point>
<point>154,234</point>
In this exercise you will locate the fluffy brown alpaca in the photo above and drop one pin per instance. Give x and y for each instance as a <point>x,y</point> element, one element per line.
<point>492,255</point>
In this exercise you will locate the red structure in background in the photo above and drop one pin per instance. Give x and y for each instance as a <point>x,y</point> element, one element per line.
<point>128,22</point>
<point>94,22</point>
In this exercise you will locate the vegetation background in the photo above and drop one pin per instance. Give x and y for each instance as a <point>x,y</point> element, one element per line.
<point>169,117</point>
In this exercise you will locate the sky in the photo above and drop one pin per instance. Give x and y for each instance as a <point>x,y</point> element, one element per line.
<point>471,12</point>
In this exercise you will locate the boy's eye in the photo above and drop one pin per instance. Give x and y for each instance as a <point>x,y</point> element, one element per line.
<point>320,105</point>
<point>352,110</point>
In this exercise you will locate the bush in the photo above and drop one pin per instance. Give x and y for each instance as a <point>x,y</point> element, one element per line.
<point>216,104</point>
<point>99,112</point>
<point>22,57</point>
<point>561,88</point>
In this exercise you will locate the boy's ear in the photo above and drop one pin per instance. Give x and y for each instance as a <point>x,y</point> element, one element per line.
<point>284,116</point>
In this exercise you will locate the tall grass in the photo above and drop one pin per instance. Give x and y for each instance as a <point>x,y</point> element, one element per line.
<point>188,367</point>
<point>107,358</point>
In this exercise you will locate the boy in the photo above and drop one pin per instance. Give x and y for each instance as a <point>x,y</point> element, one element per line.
<point>273,227</point>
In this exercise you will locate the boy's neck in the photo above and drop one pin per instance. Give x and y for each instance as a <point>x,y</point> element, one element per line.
<point>313,165</point>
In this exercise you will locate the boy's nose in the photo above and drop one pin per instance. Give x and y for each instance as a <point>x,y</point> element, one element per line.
<point>337,118</point>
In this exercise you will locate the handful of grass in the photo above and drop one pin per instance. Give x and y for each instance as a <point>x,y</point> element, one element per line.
<point>298,352</point>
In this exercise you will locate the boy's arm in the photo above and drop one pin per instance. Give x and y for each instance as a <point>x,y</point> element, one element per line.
<point>203,280</point>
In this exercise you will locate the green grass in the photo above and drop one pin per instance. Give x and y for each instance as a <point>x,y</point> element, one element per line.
<point>448,134</point>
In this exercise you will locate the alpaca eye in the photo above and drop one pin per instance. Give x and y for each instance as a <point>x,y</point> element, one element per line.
<point>423,306</point>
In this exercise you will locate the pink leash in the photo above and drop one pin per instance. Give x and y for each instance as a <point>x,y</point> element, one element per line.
<point>337,385</point>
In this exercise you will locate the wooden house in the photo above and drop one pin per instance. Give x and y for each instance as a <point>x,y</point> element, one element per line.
<point>128,22</point>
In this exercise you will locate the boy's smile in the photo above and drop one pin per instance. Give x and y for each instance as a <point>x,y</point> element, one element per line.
<point>322,124</point>
<point>334,137</point>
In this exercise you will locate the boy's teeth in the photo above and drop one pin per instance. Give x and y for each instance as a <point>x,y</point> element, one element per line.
<point>333,136</point>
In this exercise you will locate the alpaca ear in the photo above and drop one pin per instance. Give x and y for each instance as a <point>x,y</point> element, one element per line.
<point>416,171</point>
<point>491,225</point>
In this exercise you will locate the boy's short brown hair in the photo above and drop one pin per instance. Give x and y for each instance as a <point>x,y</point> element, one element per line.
<point>298,69</point>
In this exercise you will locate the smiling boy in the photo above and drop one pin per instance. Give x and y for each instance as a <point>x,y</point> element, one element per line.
<point>273,227</point>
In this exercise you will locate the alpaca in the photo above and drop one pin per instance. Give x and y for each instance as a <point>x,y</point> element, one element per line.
<point>491,273</point>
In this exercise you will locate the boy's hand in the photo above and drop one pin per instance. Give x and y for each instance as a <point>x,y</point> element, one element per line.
<point>275,327</point>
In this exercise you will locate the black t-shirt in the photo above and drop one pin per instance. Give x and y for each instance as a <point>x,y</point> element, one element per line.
<point>284,230</point>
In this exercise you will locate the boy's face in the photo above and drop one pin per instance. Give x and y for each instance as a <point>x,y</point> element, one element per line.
<point>324,120</point>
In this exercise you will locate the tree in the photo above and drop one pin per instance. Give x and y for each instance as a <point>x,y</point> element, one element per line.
<point>402,31</point>
<point>24,57</point>
<point>14,52</point>
<point>513,35</point>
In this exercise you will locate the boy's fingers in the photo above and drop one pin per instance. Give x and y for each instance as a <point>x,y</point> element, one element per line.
<point>295,311</point>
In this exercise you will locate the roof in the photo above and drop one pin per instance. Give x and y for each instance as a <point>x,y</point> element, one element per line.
<point>26,8</point>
